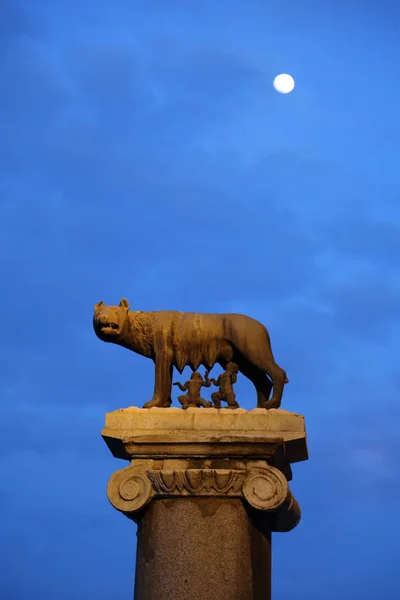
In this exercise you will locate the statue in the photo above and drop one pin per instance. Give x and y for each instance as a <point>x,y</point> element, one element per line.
<point>177,339</point>
<point>193,387</point>
<point>225,382</point>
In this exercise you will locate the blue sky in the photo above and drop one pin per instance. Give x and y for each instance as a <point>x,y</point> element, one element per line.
<point>144,153</point>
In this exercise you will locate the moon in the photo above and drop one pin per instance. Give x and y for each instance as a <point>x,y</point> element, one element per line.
<point>284,83</point>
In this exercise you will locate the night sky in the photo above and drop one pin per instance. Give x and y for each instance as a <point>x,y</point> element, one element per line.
<point>144,153</point>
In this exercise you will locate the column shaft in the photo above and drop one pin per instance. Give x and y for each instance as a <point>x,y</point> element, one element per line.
<point>201,549</point>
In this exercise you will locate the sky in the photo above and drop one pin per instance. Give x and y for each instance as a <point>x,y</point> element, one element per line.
<point>144,153</point>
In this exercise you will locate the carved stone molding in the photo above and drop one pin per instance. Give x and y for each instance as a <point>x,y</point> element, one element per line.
<point>129,490</point>
<point>265,489</point>
<point>288,516</point>
<point>197,482</point>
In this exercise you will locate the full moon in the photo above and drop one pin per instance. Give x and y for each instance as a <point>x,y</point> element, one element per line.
<point>284,83</point>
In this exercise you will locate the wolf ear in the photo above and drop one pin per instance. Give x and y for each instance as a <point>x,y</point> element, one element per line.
<point>98,305</point>
<point>124,303</point>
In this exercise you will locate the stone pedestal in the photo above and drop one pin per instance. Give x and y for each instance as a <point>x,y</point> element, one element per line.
<point>206,488</point>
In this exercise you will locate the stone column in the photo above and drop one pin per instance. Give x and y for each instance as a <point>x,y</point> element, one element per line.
<point>207,488</point>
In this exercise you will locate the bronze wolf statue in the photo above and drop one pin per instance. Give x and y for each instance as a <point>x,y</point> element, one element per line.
<point>177,339</point>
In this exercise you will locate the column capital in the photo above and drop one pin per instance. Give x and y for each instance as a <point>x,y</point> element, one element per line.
<point>207,453</point>
<point>263,488</point>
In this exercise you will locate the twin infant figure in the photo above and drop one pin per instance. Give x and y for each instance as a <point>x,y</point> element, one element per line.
<point>225,383</point>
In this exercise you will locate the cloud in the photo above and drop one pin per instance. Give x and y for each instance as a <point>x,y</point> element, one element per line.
<point>366,309</point>
<point>14,23</point>
<point>144,161</point>
<point>375,239</point>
